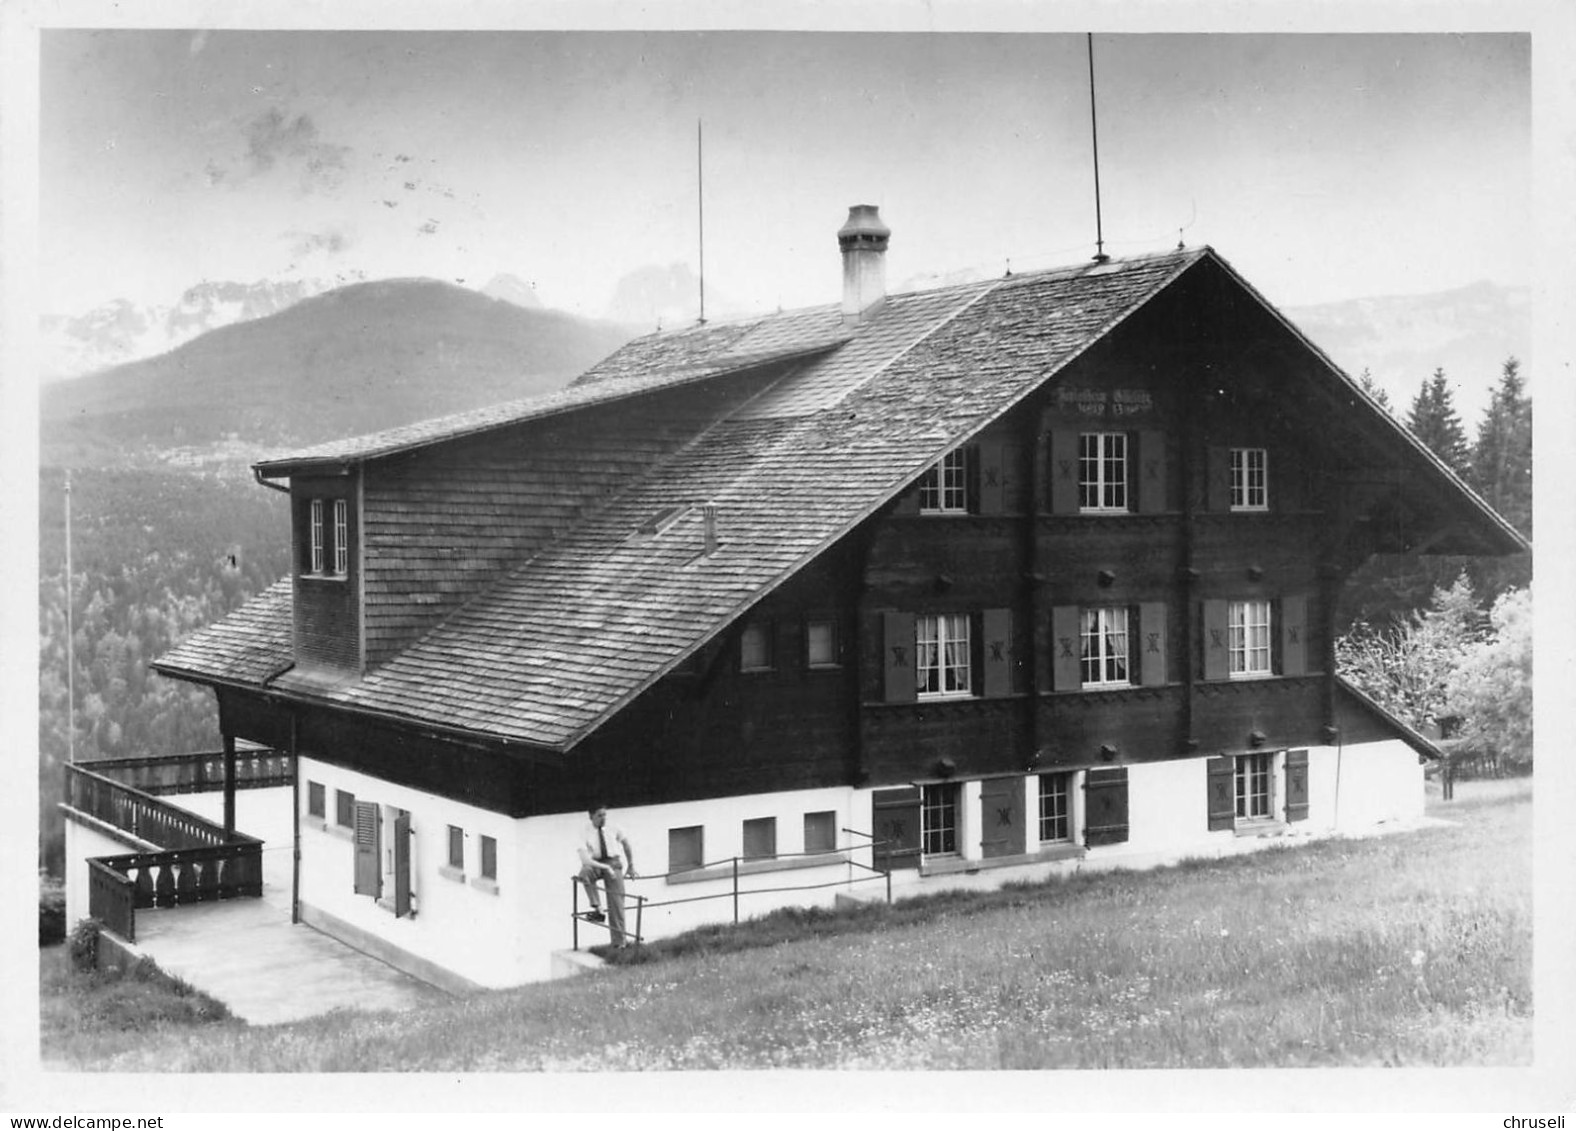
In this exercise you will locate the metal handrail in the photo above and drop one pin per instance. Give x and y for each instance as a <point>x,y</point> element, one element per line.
<point>642,902</point>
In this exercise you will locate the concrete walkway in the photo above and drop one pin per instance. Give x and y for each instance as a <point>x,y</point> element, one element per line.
<point>247,953</point>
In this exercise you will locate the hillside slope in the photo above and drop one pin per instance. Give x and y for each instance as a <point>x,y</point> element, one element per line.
<point>357,359</point>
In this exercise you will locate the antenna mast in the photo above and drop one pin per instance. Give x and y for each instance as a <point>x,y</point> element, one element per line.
<point>1094,135</point>
<point>700,208</point>
<point>71,667</point>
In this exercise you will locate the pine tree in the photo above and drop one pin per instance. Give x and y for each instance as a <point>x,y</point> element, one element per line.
<point>1434,421</point>
<point>1501,468</point>
<point>1366,382</point>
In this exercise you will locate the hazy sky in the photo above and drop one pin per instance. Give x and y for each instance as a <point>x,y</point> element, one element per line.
<point>1324,167</point>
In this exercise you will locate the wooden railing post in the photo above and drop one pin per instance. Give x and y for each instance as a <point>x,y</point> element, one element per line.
<point>229,785</point>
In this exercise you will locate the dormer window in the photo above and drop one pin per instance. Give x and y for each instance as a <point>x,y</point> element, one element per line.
<point>341,538</point>
<point>327,538</point>
<point>945,487</point>
<point>1249,483</point>
<point>316,565</point>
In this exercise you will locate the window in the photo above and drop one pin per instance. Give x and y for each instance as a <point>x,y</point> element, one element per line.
<point>938,820</point>
<point>1255,797</point>
<point>341,538</point>
<point>941,655</point>
<point>317,536</point>
<point>1102,471</point>
<point>820,831</point>
<point>1055,808</point>
<point>945,487</point>
<point>316,801</point>
<point>489,858</point>
<point>1248,639</point>
<point>685,849</point>
<point>344,809</point>
<point>457,848</point>
<point>760,838</point>
<point>820,644</point>
<point>1103,659</point>
<point>1248,485</point>
<point>755,653</point>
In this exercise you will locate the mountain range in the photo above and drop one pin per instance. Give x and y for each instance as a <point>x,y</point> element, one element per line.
<point>264,366</point>
<point>355,359</point>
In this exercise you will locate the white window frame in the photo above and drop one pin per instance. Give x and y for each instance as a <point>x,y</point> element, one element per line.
<point>1249,653</point>
<point>1254,786</point>
<point>939,807</point>
<point>341,537</point>
<point>315,535</point>
<point>943,656</point>
<point>1250,479</point>
<point>1055,807</point>
<point>945,487</point>
<point>1102,473</point>
<point>1105,641</point>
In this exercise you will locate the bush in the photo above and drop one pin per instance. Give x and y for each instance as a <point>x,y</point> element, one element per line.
<point>85,944</point>
<point>51,909</point>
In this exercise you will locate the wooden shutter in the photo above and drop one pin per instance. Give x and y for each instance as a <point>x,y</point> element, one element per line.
<point>894,821</point>
<point>908,501</point>
<point>971,478</point>
<point>1217,491</point>
<point>402,865</point>
<point>1296,785</point>
<point>997,652</point>
<point>1063,467</point>
<point>1010,463</point>
<point>369,874</point>
<point>1217,647</point>
<point>1223,792</point>
<point>897,656</point>
<point>991,478</point>
<point>1105,806</point>
<point>1294,634</point>
<point>1002,828</point>
<point>1066,649</point>
<point>1151,472</point>
<point>1152,644</point>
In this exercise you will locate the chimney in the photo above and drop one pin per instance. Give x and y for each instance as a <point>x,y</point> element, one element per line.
<point>708,514</point>
<point>863,240</point>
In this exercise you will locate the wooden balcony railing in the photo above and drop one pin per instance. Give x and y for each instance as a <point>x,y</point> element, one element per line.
<point>159,774</point>
<point>194,861</point>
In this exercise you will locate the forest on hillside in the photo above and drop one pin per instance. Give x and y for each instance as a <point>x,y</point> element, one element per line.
<point>155,555</point>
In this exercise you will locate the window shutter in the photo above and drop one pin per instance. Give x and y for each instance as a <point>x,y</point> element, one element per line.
<point>992,484</point>
<point>971,479</point>
<point>894,820</point>
<point>1222,792</point>
<point>1217,494</point>
<point>1003,829</point>
<point>402,865</point>
<point>1294,634</point>
<point>1063,468</point>
<point>1151,472</point>
<point>908,501</point>
<point>1066,648</point>
<point>997,652</point>
<point>369,875</point>
<point>1296,785</point>
<point>1217,654</point>
<point>1152,644</point>
<point>1105,806</point>
<point>1010,462</point>
<point>897,656</point>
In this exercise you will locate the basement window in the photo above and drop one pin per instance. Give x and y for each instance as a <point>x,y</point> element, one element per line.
<point>760,838</point>
<point>939,819</point>
<point>820,831</point>
<point>316,802</point>
<point>685,849</point>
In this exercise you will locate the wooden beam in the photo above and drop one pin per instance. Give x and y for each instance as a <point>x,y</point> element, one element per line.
<point>229,786</point>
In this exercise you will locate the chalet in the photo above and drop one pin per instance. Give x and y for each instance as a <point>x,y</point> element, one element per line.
<point>982,582</point>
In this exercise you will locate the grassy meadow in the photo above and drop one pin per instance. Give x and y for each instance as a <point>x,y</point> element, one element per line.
<point>1410,949</point>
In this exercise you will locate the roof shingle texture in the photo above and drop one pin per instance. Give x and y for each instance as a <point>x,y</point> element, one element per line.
<point>560,643</point>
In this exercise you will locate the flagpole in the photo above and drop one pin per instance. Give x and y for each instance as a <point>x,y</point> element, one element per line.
<point>71,666</point>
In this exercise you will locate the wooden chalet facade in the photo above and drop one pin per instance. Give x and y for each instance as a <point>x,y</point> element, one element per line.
<point>1030,574</point>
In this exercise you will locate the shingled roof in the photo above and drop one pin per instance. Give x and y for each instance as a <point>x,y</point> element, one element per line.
<point>562,642</point>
